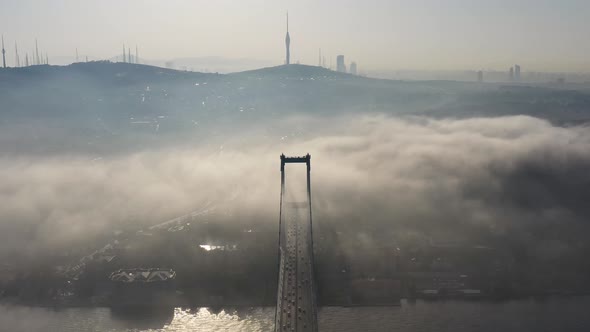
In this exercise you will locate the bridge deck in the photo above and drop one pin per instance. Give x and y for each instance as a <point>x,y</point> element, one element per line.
<point>296,302</point>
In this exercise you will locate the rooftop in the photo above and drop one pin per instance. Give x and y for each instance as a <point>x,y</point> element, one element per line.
<point>142,275</point>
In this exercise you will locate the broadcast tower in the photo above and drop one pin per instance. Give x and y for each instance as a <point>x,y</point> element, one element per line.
<point>288,43</point>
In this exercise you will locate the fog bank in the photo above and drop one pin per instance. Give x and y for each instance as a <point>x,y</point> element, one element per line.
<point>466,179</point>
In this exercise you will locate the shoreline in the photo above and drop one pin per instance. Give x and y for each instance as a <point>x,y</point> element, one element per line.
<point>485,299</point>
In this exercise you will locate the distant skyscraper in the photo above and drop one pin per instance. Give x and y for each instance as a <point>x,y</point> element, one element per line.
<point>136,54</point>
<point>288,43</point>
<point>480,76</point>
<point>517,72</point>
<point>511,74</point>
<point>3,54</point>
<point>77,54</point>
<point>353,68</point>
<point>340,66</point>
<point>124,58</point>
<point>26,59</point>
<point>320,58</point>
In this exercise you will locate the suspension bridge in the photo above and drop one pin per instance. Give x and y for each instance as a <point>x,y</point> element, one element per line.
<point>296,296</point>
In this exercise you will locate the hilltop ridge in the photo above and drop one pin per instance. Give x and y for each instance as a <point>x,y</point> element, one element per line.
<point>129,72</point>
<point>294,70</point>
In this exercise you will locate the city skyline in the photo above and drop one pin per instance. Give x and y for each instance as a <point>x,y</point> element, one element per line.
<point>377,34</point>
<point>513,74</point>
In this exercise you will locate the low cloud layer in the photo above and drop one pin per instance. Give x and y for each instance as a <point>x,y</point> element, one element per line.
<point>463,178</point>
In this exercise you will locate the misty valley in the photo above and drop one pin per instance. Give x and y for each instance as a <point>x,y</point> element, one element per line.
<point>131,186</point>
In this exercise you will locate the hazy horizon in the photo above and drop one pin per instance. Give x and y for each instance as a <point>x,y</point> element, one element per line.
<point>446,174</point>
<point>377,34</point>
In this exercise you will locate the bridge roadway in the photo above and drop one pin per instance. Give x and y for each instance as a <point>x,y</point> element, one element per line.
<point>296,298</point>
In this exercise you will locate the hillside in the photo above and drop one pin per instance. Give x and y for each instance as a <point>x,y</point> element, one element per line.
<point>107,106</point>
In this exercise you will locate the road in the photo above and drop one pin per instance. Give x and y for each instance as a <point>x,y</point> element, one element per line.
<point>296,301</point>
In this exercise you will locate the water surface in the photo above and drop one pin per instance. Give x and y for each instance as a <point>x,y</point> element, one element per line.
<point>556,314</point>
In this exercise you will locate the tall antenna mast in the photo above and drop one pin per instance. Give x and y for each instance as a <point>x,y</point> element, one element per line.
<point>16,57</point>
<point>288,43</point>
<point>129,57</point>
<point>3,54</point>
<point>37,53</point>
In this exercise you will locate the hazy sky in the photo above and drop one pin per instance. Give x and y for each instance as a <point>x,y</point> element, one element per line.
<point>546,35</point>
